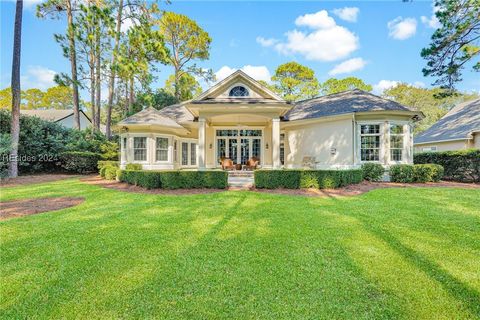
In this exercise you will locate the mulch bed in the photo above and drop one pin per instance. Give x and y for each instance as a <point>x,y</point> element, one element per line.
<point>357,189</point>
<point>31,179</point>
<point>348,191</point>
<point>19,208</point>
<point>122,186</point>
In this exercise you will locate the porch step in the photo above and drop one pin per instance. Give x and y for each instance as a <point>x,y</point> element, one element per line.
<point>239,173</point>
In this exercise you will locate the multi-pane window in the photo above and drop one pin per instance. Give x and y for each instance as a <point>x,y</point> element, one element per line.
<point>175,151</point>
<point>162,149</point>
<point>140,148</point>
<point>370,142</point>
<point>124,143</point>
<point>193,154</point>
<point>184,153</point>
<point>396,142</point>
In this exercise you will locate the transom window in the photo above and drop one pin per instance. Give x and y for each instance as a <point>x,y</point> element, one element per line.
<point>162,149</point>
<point>238,91</point>
<point>370,142</point>
<point>396,142</point>
<point>140,148</point>
<point>242,133</point>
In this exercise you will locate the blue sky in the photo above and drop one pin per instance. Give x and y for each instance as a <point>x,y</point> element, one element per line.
<point>377,41</point>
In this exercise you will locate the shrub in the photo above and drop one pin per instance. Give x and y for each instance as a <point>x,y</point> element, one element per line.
<point>372,171</point>
<point>402,173</point>
<point>5,147</point>
<point>101,164</point>
<point>294,179</point>
<point>133,166</point>
<point>427,172</point>
<point>110,172</point>
<point>79,162</point>
<point>174,179</point>
<point>461,165</point>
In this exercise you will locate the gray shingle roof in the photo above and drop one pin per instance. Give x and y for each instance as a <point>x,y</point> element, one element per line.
<point>177,112</point>
<point>458,123</point>
<point>48,114</point>
<point>341,103</point>
<point>150,116</point>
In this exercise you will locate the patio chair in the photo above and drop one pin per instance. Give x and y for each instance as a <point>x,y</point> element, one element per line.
<point>252,163</point>
<point>227,164</point>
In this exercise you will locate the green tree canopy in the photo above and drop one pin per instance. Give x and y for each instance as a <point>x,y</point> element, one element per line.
<point>58,97</point>
<point>32,98</point>
<point>6,98</point>
<point>294,81</point>
<point>187,42</point>
<point>334,85</point>
<point>426,101</point>
<point>188,86</point>
<point>455,43</point>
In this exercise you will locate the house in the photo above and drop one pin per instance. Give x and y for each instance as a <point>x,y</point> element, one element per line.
<point>238,118</point>
<point>459,129</point>
<point>63,117</point>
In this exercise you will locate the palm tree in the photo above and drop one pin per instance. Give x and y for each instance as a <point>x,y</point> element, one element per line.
<point>15,128</point>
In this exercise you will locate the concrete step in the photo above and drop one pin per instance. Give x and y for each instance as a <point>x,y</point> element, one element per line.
<point>240,173</point>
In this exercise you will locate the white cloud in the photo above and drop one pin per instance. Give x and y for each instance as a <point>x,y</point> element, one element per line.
<point>348,13</point>
<point>256,72</point>
<point>402,29</point>
<point>266,42</point>
<point>383,85</point>
<point>327,42</point>
<point>348,66</point>
<point>318,20</point>
<point>431,22</point>
<point>38,77</point>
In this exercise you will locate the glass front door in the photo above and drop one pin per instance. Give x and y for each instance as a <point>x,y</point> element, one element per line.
<point>238,145</point>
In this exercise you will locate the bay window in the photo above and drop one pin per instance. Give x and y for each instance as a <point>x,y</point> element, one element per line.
<point>140,148</point>
<point>370,142</point>
<point>161,149</point>
<point>396,142</point>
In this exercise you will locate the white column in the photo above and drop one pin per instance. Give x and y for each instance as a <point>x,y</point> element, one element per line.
<point>202,126</point>
<point>276,143</point>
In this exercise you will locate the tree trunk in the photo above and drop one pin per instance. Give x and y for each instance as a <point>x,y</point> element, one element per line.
<point>92,87</point>
<point>73,64</point>
<point>15,128</point>
<point>111,85</point>
<point>177,83</point>
<point>131,96</point>
<point>98,89</point>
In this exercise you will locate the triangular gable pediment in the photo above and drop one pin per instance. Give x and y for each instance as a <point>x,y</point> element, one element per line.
<point>256,90</point>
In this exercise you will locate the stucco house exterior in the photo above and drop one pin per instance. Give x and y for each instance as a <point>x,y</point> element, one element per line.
<point>238,118</point>
<point>459,129</point>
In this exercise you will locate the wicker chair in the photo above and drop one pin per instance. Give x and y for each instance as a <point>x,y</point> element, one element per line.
<point>252,163</point>
<point>227,164</point>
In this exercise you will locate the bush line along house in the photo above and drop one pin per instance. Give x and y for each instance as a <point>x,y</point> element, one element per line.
<point>239,118</point>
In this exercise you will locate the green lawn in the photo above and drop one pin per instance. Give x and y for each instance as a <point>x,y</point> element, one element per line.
<point>391,253</point>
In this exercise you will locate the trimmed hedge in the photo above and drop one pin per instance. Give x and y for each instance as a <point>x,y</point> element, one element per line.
<point>102,164</point>
<point>295,179</point>
<point>463,166</point>
<point>175,179</point>
<point>79,161</point>
<point>133,166</point>
<point>408,173</point>
<point>108,169</point>
<point>372,171</point>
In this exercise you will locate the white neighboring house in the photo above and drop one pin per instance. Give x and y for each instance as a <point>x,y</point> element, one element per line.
<point>240,119</point>
<point>63,117</point>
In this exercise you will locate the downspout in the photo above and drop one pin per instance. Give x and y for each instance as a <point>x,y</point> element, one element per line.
<point>354,144</point>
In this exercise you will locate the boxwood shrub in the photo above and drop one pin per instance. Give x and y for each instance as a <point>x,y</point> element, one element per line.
<point>110,172</point>
<point>102,164</point>
<point>463,166</point>
<point>295,179</point>
<point>408,173</point>
<point>174,179</point>
<point>373,171</point>
<point>133,166</point>
<point>79,161</point>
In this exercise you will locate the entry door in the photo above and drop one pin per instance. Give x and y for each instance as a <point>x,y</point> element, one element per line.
<point>244,150</point>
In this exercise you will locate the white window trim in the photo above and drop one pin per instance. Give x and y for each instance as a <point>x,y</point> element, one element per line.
<point>238,84</point>
<point>169,149</point>
<point>189,151</point>
<point>406,141</point>
<point>381,150</point>
<point>132,138</point>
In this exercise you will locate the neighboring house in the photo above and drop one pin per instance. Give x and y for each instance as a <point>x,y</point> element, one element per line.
<point>459,129</point>
<point>239,118</point>
<point>63,117</point>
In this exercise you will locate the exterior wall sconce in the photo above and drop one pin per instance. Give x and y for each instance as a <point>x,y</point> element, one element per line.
<point>266,145</point>
<point>210,146</point>
<point>333,151</point>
